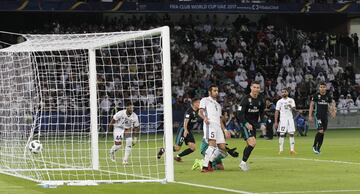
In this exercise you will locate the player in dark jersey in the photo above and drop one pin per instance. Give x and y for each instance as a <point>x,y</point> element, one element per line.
<point>191,121</point>
<point>321,104</point>
<point>250,110</point>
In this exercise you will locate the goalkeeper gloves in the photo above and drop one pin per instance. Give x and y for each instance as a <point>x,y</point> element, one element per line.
<point>232,152</point>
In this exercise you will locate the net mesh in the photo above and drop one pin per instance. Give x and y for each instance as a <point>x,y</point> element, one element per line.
<point>45,95</point>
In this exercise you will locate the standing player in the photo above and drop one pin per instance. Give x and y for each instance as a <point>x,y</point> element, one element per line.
<point>284,106</point>
<point>321,102</point>
<point>250,111</point>
<point>125,123</point>
<point>191,120</point>
<point>214,129</point>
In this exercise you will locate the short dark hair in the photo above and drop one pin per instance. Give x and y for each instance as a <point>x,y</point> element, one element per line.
<point>286,89</point>
<point>212,86</point>
<point>255,82</point>
<point>128,103</point>
<point>322,83</point>
<point>194,100</point>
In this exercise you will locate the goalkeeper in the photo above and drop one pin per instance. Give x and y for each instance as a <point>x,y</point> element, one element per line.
<point>125,124</point>
<point>217,163</point>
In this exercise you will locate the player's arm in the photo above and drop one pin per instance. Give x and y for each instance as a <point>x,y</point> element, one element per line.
<point>241,113</point>
<point>262,113</point>
<point>111,124</point>
<point>276,123</point>
<point>293,106</point>
<point>332,109</point>
<point>136,131</point>
<point>186,129</point>
<point>223,128</point>
<point>202,111</point>
<point>311,110</point>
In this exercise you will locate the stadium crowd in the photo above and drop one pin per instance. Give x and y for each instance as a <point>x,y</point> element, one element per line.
<point>231,54</point>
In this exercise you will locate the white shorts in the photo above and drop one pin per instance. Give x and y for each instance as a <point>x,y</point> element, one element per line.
<point>286,126</point>
<point>118,134</point>
<point>213,131</point>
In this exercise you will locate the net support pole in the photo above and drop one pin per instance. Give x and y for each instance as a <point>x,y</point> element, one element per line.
<point>168,130</point>
<point>93,111</point>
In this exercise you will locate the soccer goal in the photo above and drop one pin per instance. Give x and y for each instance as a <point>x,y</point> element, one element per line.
<point>61,90</point>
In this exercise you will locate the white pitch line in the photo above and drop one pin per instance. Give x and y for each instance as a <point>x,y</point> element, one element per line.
<point>310,159</point>
<point>324,191</point>
<point>216,188</point>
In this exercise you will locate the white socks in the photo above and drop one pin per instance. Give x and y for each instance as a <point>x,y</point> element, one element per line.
<point>292,143</point>
<point>128,147</point>
<point>208,155</point>
<point>281,143</point>
<point>115,148</point>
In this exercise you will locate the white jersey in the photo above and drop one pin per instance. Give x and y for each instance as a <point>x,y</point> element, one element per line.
<point>284,106</point>
<point>212,110</point>
<point>122,120</point>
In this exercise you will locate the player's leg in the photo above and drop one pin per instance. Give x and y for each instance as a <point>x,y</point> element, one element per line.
<point>118,135</point>
<point>179,140</point>
<point>210,136</point>
<point>319,127</point>
<point>249,136</point>
<point>220,152</point>
<point>190,142</point>
<point>322,133</point>
<point>128,147</point>
<point>291,131</point>
<point>282,130</point>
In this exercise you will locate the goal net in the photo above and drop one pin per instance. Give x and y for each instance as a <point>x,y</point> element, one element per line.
<point>63,90</point>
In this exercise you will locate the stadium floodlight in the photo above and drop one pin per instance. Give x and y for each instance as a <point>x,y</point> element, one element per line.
<point>61,89</point>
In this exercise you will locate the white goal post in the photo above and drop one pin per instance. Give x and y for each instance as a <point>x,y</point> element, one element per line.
<point>63,89</point>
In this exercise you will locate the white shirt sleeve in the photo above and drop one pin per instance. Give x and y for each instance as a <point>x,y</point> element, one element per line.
<point>292,103</point>
<point>277,105</point>
<point>203,103</point>
<point>136,121</point>
<point>117,116</point>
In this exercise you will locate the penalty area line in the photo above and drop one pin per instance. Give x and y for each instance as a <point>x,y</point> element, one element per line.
<point>215,188</point>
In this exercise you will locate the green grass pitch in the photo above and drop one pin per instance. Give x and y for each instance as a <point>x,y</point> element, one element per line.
<point>335,170</point>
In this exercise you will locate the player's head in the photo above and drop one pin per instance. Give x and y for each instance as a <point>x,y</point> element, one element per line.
<point>213,91</point>
<point>195,102</point>
<point>285,92</point>
<point>322,87</point>
<point>129,107</point>
<point>255,88</point>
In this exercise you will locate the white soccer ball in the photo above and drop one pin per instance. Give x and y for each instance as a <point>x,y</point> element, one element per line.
<point>35,146</point>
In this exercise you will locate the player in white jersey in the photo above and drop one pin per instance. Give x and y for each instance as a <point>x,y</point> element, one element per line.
<point>285,106</point>
<point>125,124</point>
<point>214,129</point>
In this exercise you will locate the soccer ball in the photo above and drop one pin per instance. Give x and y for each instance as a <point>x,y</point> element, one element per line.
<point>35,146</point>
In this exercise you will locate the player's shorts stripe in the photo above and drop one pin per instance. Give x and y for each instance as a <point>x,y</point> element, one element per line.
<point>207,131</point>
<point>246,133</point>
<point>179,134</point>
<point>316,122</point>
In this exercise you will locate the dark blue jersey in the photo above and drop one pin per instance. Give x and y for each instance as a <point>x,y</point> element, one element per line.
<point>321,104</point>
<point>193,117</point>
<point>250,110</point>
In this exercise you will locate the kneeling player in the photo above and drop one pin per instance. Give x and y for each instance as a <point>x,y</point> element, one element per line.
<point>125,123</point>
<point>217,163</point>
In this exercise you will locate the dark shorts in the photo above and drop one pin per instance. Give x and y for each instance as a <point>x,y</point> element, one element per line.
<point>246,133</point>
<point>321,123</point>
<point>180,139</point>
